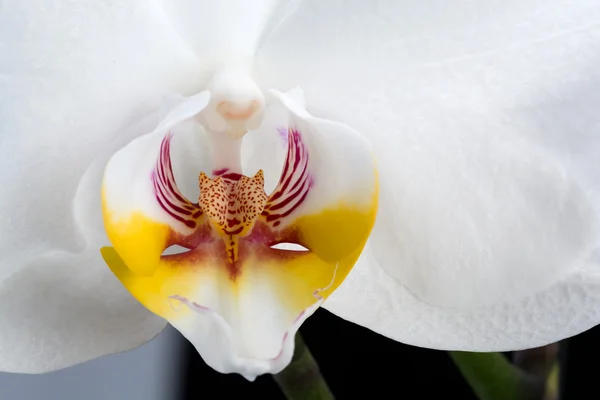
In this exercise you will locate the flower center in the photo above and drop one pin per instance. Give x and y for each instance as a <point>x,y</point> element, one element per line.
<point>244,290</point>
<point>232,204</point>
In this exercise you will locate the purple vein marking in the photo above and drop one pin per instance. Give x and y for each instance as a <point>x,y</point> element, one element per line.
<point>295,181</point>
<point>166,192</point>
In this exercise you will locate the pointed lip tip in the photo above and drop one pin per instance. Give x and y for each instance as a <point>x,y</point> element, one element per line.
<point>251,368</point>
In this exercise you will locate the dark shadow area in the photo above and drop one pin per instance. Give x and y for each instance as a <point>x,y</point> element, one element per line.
<point>580,366</point>
<point>356,362</point>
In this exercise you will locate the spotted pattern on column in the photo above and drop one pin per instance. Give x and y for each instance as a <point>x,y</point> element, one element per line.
<point>233,205</point>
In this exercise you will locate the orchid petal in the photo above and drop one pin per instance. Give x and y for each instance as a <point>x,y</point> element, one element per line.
<point>564,309</point>
<point>224,32</point>
<point>482,118</point>
<point>74,79</point>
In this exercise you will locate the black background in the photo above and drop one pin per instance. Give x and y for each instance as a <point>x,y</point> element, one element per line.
<point>358,363</point>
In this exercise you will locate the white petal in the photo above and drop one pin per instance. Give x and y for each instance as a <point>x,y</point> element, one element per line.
<point>566,308</point>
<point>225,31</point>
<point>73,77</point>
<point>483,119</point>
<point>62,309</point>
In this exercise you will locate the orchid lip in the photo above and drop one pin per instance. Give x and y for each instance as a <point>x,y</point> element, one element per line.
<point>256,265</point>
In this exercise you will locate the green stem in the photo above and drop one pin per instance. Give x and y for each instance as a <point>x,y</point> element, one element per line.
<point>493,377</point>
<point>302,379</point>
<point>541,363</point>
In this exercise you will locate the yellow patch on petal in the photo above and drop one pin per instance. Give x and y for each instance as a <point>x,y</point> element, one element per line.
<point>335,233</point>
<point>152,291</point>
<point>337,236</point>
<point>138,239</point>
<point>291,279</point>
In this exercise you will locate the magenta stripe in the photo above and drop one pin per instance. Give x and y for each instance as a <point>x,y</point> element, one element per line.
<point>165,188</point>
<point>232,176</point>
<point>190,224</point>
<point>302,176</point>
<point>175,207</point>
<point>171,178</point>
<point>288,212</point>
<point>283,188</point>
<point>286,167</point>
<point>291,197</point>
<point>221,171</point>
<point>197,214</point>
<point>297,153</point>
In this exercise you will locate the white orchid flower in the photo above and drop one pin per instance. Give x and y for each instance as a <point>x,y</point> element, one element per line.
<point>477,124</point>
